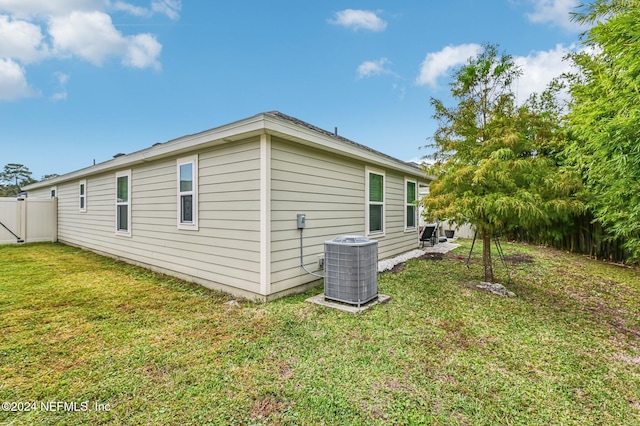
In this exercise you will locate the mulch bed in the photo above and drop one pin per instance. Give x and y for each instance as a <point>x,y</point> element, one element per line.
<point>431,256</point>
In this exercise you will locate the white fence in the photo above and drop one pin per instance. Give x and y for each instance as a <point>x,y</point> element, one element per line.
<point>31,220</point>
<point>461,231</point>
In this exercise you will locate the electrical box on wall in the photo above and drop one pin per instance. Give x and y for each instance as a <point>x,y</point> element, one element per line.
<point>301,220</point>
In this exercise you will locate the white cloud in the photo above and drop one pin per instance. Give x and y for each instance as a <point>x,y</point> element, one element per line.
<point>92,36</point>
<point>45,8</point>
<point>89,35</point>
<point>121,6</point>
<point>60,96</point>
<point>171,8</point>
<point>62,79</point>
<point>371,68</point>
<point>143,51</point>
<point>555,12</point>
<point>359,19</point>
<point>13,83</point>
<point>34,30</point>
<point>21,40</point>
<point>400,90</point>
<point>437,64</point>
<point>539,68</point>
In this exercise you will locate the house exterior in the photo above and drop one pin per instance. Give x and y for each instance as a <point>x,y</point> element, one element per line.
<point>220,207</point>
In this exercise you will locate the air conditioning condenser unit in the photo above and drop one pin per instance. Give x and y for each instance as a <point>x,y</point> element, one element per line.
<point>351,269</point>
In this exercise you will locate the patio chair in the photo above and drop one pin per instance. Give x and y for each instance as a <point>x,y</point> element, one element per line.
<point>429,235</point>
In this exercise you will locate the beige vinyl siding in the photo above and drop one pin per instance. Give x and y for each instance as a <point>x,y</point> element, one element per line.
<point>396,239</point>
<point>39,193</point>
<point>223,253</point>
<point>328,189</point>
<point>97,225</point>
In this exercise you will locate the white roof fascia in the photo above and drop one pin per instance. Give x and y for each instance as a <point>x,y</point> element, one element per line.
<point>252,126</point>
<point>227,133</point>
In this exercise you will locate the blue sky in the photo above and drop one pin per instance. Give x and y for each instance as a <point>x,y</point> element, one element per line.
<point>82,80</point>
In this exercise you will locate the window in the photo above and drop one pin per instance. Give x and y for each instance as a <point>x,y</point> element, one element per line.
<point>54,191</point>
<point>375,203</point>
<point>123,203</point>
<point>82,196</point>
<point>188,193</point>
<point>410,197</point>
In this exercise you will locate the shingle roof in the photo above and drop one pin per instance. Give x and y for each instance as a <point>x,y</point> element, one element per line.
<point>192,141</point>
<point>298,122</point>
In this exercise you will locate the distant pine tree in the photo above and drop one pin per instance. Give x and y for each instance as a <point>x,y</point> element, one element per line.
<point>15,176</point>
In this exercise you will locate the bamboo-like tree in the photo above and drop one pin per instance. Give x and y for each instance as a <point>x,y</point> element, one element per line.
<point>491,164</point>
<point>605,116</point>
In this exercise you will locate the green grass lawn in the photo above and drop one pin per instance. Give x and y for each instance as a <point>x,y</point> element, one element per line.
<point>77,327</point>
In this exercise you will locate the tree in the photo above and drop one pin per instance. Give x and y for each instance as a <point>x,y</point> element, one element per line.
<point>15,175</point>
<point>605,116</point>
<point>492,169</point>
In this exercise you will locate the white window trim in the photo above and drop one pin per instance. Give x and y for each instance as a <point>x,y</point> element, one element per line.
<point>368,172</point>
<point>193,226</point>
<point>415,206</point>
<point>53,189</point>
<point>127,173</point>
<point>82,196</point>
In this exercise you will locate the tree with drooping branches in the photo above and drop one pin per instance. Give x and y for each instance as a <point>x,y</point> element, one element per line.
<point>491,165</point>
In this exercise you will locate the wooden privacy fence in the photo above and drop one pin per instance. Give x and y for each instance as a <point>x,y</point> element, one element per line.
<point>582,234</point>
<point>31,220</point>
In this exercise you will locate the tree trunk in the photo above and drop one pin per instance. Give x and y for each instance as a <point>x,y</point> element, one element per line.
<point>486,255</point>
